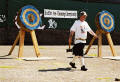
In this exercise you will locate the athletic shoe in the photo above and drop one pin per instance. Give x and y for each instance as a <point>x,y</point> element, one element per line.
<point>72,65</point>
<point>83,68</point>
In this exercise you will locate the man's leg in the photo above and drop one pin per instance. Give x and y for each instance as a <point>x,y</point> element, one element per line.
<point>83,63</point>
<point>72,63</point>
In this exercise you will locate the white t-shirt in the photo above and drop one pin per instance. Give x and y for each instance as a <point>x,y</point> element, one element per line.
<point>80,29</point>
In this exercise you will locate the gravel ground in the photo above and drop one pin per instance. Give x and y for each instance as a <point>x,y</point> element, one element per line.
<point>57,69</point>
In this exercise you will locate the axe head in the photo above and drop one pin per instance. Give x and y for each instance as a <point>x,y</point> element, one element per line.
<point>68,50</point>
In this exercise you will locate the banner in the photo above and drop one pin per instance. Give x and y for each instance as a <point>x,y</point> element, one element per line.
<point>48,13</point>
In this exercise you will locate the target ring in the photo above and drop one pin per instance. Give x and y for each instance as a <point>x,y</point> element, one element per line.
<point>30,17</point>
<point>106,21</point>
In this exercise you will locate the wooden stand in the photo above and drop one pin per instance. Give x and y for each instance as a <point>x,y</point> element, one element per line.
<point>20,37</point>
<point>99,33</point>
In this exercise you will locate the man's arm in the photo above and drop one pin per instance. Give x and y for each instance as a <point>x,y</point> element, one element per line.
<point>70,38</point>
<point>92,33</point>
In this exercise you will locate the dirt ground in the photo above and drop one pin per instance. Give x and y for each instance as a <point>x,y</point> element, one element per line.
<point>13,69</point>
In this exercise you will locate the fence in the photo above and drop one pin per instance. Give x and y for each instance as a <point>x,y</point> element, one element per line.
<point>8,9</point>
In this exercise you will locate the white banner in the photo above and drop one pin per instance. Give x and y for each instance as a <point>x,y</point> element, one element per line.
<point>48,13</point>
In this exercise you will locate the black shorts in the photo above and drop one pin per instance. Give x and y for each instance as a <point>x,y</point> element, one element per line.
<point>78,49</point>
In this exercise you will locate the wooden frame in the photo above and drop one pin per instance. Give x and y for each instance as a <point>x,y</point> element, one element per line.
<point>100,33</point>
<point>21,37</point>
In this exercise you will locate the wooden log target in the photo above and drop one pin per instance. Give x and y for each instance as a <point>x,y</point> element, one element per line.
<point>105,24</point>
<point>29,18</point>
<point>105,21</point>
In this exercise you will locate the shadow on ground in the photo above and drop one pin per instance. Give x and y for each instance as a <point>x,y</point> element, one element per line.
<point>5,57</point>
<point>84,57</point>
<point>59,69</point>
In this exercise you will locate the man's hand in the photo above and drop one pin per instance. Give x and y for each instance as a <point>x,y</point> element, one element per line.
<point>95,36</point>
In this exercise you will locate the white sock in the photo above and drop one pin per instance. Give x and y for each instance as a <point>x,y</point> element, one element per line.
<point>82,61</point>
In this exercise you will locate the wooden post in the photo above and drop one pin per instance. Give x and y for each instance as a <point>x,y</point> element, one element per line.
<point>35,43</point>
<point>21,43</point>
<point>15,42</point>
<point>99,45</point>
<point>21,37</point>
<point>91,42</point>
<point>110,44</point>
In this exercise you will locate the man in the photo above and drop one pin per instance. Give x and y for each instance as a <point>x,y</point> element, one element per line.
<point>80,29</point>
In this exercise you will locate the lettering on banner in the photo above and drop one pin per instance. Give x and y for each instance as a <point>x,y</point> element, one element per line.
<point>48,13</point>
